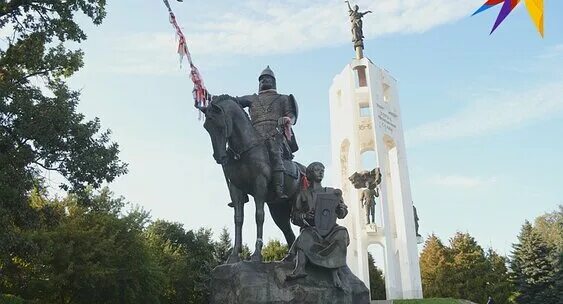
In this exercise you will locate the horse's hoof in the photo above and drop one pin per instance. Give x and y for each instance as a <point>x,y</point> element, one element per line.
<point>295,276</point>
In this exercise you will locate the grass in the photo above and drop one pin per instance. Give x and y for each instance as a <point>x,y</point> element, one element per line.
<point>427,301</point>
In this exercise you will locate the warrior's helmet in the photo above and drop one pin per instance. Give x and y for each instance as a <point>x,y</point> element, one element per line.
<point>268,72</point>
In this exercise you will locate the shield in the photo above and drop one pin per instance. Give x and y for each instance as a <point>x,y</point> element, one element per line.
<point>295,109</point>
<point>325,211</point>
<point>294,106</point>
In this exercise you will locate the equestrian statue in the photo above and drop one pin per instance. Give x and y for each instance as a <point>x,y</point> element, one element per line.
<point>256,156</point>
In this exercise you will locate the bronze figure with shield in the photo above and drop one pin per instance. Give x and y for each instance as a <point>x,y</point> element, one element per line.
<point>321,242</point>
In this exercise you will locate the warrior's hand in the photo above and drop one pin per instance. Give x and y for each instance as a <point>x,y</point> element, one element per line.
<point>208,95</point>
<point>285,124</point>
<point>284,121</point>
<point>341,212</point>
<point>310,215</point>
<point>308,218</point>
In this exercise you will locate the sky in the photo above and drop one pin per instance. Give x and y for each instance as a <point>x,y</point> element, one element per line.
<point>482,113</point>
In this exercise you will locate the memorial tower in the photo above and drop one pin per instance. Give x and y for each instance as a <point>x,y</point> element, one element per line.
<point>365,116</point>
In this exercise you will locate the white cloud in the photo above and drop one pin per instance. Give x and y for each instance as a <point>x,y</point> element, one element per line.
<point>493,113</point>
<point>296,26</point>
<point>258,28</point>
<point>459,181</point>
<point>152,54</point>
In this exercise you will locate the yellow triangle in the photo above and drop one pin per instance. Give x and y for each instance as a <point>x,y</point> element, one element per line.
<point>535,9</point>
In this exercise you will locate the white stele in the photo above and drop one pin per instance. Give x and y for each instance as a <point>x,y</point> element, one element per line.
<point>365,116</point>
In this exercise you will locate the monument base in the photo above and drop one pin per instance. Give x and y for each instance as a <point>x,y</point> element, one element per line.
<point>254,283</point>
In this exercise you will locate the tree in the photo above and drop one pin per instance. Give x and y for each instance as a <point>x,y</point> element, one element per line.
<point>90,256</point>
<point>550,227</point>
<point>376,280</point>
<point>534,268</point>
<point>468,268</point>
<point>245,253</point>
<point>498,280</point>
<point>434,268</point>
<point>40,128</point>
<point>223,247</point>
<point>166,241</point>
<point>201,261</point>
<point>186,257</point>
<point>559,279</point>
<point>274,251</point>
<point>463,270</point>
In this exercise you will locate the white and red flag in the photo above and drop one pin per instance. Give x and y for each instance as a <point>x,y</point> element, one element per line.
<point>200,94</point>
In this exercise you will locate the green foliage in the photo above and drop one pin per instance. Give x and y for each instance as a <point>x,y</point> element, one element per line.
<point>559,278</point>
<point>223,247</point>
<point>186,258</point>
<point>550,227</point>
<point>470,268</point>
<point>462,270</point>
<point>434,268</point>
<point>427,301</point>
<point>40,128</point>
<point>40,125</point>
<point>535,268</point>
<point>274,251</point>
<point>245,253</point>
<point>83,255</point>
<point>497,278</point>
<point>10,299</point>
<point>54,18</point>
<point>376,280</point>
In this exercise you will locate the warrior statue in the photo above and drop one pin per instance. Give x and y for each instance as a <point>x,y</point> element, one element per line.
<point>272,115</point>
<point>321,242</point>
<point>415,220</point>
<point>356,21</point>
<point>369,180</point>
<point>367,198</point>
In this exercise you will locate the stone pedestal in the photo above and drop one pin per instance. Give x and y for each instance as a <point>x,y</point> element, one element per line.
<point>253,283</point>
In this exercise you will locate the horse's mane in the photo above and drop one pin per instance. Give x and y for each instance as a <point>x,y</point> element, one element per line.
<point>219,100</point>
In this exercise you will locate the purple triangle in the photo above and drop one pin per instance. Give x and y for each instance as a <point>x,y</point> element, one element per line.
<point>504,11</point>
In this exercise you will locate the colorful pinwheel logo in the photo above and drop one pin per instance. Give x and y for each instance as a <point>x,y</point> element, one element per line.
<point>535,9</point>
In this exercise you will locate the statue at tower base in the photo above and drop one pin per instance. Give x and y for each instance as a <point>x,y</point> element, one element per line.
<point>260,283</point>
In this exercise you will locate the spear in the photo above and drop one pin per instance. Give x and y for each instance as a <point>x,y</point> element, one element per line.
<point>200,94</point>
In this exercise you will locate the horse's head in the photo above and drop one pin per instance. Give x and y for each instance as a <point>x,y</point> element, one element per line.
<point>219,126</point>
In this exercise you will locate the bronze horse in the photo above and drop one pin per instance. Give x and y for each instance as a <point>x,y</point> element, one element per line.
<point>245,161</point>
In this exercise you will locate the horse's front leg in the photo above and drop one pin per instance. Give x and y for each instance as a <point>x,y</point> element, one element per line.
<point>257,254</point>
<point>261,190</point>
<point>237,198</point>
